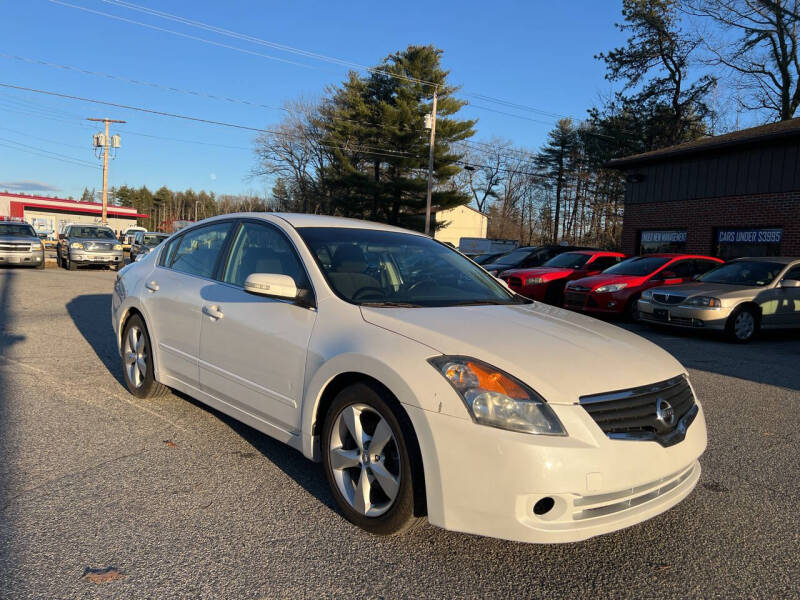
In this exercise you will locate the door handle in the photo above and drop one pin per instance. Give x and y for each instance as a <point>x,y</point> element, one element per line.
<point>213,311</point>
<point>152,286</point>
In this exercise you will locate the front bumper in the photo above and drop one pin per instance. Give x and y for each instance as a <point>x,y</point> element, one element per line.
<point>592,302</point>
<point>33,258</point>
<point>81,257</point>
<point>488,482</point>
<point>683,316</point>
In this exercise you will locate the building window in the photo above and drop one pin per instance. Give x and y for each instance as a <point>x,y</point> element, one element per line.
<point>673,240</point>
<point>738,242</point>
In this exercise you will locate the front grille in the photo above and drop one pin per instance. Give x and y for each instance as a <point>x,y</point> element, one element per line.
<point>15,246</point>
<point>574,299</point>
<point>667,298</point>
<point>644,413</point>
<point>98,246</point>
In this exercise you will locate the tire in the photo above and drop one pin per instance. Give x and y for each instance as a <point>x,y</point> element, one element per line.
<point>632,310</point>
<point>742,326</point>
<point>349,467</point>
<point>71,265</point>
<point>40,265</point>
<point>137,361</point>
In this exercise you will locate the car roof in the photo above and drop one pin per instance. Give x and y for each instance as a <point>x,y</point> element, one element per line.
<point>784,260</point>
<point>592,252</point>
<point>677,255</point>
<point>298,220</point>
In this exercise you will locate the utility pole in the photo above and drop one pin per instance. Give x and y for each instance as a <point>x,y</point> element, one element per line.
<point>431,118</point>
<point>105,142</point>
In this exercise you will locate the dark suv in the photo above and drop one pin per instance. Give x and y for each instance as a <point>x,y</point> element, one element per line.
<point>527,257</point>
<point>145,241</point>
<point>82,245</point>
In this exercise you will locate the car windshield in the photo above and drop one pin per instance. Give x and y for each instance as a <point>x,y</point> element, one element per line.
<point>388,268</point>
<point>153,239</point>
<point>744,272</point>
<point>17,230</point>
<point>92,232</point>
<point>513,258</point>
<point>639,265</point>
<point>568,260</point>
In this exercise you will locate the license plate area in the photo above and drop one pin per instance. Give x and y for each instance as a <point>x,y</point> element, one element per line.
<point>661,313</point>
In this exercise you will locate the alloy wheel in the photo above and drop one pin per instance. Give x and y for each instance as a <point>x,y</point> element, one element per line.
<point>135,353</point>
<point>365,460</point>
<point>744,325</point>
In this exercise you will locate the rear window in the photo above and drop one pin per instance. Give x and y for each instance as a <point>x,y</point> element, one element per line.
<point>568,260</point>
<point>640,265</point>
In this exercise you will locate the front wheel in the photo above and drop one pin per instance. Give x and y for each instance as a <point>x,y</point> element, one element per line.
<point>742,325</point>
<point>71,265</point>
<point>367,461</point>
<point>137,361</point>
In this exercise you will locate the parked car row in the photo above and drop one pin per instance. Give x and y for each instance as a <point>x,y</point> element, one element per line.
<point>680,290</point>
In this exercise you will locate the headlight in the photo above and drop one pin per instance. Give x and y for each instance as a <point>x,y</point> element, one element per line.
<point>706,301</point>
<point>647,295</point>
<point>533,280</point>
<point>76,245</point>
<point>611,287</point>
<point>496,399</point>
<point>117,246</point>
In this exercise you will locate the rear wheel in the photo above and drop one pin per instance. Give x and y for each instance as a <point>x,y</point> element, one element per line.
<point>137,361</point>
<point>368,462</point>
<point>742,325</point>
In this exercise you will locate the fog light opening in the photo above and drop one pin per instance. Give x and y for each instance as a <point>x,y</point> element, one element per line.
<point>543,506</point>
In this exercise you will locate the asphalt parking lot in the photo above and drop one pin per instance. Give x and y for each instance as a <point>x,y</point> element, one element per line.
<point>104,495</point>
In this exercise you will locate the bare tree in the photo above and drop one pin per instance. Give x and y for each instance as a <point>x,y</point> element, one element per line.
<point>764,55</point>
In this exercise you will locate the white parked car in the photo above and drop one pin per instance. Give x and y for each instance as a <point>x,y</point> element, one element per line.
<point>425,386</point>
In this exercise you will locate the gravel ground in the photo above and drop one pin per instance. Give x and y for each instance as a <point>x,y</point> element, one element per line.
<point>104,495</point>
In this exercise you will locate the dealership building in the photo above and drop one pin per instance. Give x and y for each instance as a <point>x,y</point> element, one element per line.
<point>730,195</point>
<point>50,214</point>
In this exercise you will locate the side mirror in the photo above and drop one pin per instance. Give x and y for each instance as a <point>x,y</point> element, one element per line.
<point>789,283</point>
<point>271,285</point>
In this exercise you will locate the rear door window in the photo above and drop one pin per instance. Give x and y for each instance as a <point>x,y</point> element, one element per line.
<point>199,250</point>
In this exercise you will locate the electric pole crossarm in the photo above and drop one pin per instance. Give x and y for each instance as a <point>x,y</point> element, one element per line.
<point>106,145</point>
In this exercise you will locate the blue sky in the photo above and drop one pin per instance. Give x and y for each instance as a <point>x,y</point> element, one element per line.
<point>536,53</point>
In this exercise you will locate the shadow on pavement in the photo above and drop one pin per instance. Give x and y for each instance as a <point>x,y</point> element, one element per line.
<point>91,314</point>
<point>7,340</point>
<point>771,358</point>
<point>309,475</point>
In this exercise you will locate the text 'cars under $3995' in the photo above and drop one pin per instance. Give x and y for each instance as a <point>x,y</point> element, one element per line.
<point>425,386</point>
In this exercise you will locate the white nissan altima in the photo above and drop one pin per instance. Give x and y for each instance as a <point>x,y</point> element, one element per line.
<point>425,386</point>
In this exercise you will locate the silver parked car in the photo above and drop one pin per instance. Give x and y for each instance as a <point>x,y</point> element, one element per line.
<point>82,245</point>
<point>19,245</point>
<point>739,298</point>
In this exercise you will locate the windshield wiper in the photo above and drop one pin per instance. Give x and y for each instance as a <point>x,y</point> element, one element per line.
<point>384,303</point>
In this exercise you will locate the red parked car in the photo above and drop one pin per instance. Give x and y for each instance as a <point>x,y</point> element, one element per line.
<point>616,290</point>
<point>546,283</point>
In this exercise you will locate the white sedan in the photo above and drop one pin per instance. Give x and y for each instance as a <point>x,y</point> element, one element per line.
<point>425,386</point>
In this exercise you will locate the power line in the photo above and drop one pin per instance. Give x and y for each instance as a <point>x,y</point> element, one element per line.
<point>137,81</point>
<point>262,42</point>
<point>46,154</point>
<point>363,149</point>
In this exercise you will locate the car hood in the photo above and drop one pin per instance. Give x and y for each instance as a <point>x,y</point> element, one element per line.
<point>547,272</point>
<point>28,239</point>
<point>595,281</point>
<point>716,290</point>
<point>562,355</point>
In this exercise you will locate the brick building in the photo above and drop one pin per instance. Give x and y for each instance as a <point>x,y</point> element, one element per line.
<point>731,195</point>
